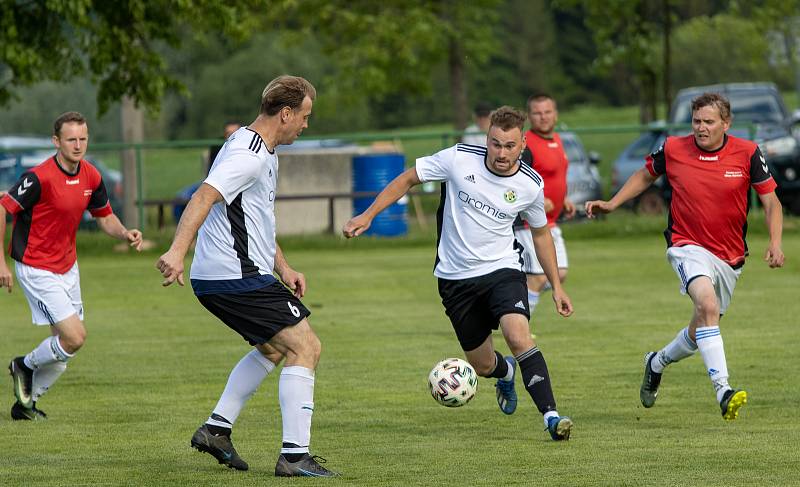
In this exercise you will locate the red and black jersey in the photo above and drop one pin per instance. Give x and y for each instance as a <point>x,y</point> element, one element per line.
<point>710,193</point>
<point>548,157</point>
<point>47,203</point>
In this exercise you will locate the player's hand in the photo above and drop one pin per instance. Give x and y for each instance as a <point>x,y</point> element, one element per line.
<point>295,281</point>
<point>356,226</point>
<point>569,209</point>
<point>135,238</point>
<point>6,278</point>
<point>548,205</point>
<point>597,207</point>
<point>774,256</point>
<point>171,267</point>
<point>563,304</point>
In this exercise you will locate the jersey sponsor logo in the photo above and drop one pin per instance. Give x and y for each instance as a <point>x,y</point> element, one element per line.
<point>470,178</point>
<point>708,158</point>
<point>481,206</point>
<point>87,192</point>
<point>72,182</point>
<point>510,196</point>
<point>23,188</point>
<point>734,174</point>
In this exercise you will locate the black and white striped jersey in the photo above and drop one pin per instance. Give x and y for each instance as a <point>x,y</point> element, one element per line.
<point>237,240</point>
<point>477,210</point>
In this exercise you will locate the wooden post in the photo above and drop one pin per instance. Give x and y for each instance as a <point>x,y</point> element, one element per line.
<point>132,132</point>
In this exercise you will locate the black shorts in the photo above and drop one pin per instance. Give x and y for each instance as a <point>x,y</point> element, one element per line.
<point>475,305</point>
<point>257,315</point>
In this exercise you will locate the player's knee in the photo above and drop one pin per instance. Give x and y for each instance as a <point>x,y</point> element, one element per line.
<point>708,309</point>
<point>73,341</point>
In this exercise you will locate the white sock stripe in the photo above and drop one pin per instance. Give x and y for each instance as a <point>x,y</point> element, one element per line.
<point>220,424</point>
<point>58,350</point>
<point>706,332</point>
<point>299,449</point>
<point>527,354</point>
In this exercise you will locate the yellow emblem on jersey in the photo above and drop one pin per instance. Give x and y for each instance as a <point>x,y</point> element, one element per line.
<point>510,196</point>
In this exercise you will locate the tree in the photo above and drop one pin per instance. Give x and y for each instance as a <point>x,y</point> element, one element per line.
<point>116,44</point>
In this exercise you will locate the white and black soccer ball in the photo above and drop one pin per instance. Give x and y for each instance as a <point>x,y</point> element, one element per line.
<point>453,382</point>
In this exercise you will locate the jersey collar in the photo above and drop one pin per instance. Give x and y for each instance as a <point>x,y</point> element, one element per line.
<point>61,168</point>
<point>486,165</point>
<point>724,143</point>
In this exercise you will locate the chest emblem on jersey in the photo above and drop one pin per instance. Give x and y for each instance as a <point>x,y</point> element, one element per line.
<point>87,192</point>
<point>708,158</point>
<point>470,178</point>
<point>734,174</point>
<point>510,196</point>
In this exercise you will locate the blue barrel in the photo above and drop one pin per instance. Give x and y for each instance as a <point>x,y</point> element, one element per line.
<point>371,173</point>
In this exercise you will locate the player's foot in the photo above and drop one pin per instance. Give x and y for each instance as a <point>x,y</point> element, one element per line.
<point>506,395</point>
<point>23,381</point>
<point>21,413</point>
<point>559,427</point>
<point>650,382</point>
<point>731,402</point>
<point>307,466</point>
<point>219,447</point>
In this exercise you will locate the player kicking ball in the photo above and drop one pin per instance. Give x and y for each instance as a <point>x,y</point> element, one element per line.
<point>478,261</point>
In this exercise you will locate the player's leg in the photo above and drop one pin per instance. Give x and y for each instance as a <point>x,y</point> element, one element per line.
<point>488,362</point>
<point>302,349</point>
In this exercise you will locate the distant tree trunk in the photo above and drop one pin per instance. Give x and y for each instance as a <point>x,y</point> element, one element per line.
<point>132,132</point>
<point>791,56</point>
<point>458,85</point>
<point>667,86</point>
<point>647,96</point>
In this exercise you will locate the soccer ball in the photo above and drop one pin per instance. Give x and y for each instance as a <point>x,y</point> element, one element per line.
<point>453,382</point>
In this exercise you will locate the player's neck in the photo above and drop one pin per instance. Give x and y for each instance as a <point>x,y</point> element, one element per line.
<point>267,128</point>
<point>67,166</point>
<point>548,135</point>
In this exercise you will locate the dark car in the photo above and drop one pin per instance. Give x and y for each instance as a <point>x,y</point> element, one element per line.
<point>630,160</point>
<point>759,114</point>
<point>18,153</point>
<point>583,178</point>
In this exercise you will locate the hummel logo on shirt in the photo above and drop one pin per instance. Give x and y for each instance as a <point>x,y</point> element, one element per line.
<point>24,184</point>
<point>535,380</point>
<point>470,178</point>
<point>708,158</point>
<point>73,181</point>
<point>520,305</point>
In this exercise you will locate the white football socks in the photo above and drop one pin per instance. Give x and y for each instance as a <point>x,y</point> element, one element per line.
<point>243,382</point>
<point>46,376</point>
<point>709,341</point>
<point>296,393</point>
<point>678,349</point>
<point>48,352</point>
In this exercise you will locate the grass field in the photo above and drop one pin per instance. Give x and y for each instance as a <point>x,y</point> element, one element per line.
<point>155,362</point>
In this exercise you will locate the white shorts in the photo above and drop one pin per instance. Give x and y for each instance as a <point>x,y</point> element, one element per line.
<point>530,263</point>
<point>691,261</point>
<point>52,297</point>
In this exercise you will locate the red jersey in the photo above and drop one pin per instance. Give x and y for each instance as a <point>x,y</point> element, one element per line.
<point>710,193</point>
<point>550,161</point>
<point>47,203</point>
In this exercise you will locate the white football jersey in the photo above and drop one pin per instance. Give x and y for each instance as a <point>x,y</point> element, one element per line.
<point>237,239</point>
<point>478,209</point>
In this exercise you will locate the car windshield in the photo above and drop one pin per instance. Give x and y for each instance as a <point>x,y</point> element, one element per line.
<point>644,145</point>
<point>573,148</point>
<point>747,107</point>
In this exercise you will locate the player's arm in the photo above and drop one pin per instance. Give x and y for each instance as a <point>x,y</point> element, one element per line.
<point>294,280</point>
<point>111,226</point>
<point>546,254</point>
<point>171,263</point>
<point>6,278</point>
<point>390,194</point>
<point>633,187</point>
<point>774,213</point>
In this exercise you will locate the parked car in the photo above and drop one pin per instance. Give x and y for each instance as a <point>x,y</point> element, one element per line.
<point>18,153</point>
<point>583,178</point>
<point>630,160</point>
<point>759,114</point>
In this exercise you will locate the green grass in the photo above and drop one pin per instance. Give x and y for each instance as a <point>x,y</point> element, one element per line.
<point>155,362</point>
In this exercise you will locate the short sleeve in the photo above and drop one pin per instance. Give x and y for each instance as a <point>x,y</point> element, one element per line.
<point>238,171</point>
<point>23,195</point>
<point>98,203</point>
<point>436,167</point>
<point>534,214</point>
<point>656,162</point>
<point>760,178</point>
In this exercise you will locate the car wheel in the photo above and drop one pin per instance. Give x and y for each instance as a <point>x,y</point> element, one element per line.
<point>650,203</point>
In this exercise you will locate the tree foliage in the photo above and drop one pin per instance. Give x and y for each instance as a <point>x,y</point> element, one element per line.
<point>115,44</point>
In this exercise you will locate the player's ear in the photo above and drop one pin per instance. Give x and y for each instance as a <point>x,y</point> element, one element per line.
<point>286,112</point>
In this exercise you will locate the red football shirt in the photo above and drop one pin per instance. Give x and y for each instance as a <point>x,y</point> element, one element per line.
<point>710,193</point>
<point>47,203</point>
<point>550,161</point>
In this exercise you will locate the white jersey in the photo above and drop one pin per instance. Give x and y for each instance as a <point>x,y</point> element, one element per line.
<point>479,208</point>
<point>237,239</point>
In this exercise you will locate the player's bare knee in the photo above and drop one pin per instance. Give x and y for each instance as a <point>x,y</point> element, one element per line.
<point>707,309</point>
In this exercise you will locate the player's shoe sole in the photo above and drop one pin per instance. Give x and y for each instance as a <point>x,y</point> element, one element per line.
<point>21,413</point>
<point>560,427</point>
<point>648,392</point>
<point>731,403</point>
<point>23,381</point>
<point>219,447</point>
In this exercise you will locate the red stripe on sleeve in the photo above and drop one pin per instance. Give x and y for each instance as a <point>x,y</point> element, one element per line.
<point>10,204</point>
<point>101,212</point>
<point>766,186</point>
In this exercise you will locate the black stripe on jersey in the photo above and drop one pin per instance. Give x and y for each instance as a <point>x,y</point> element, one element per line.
<point>473,149</point>
<point>235,214</point>
<point>528,171</point>
<point>440,220</point>
<point>255,142</point>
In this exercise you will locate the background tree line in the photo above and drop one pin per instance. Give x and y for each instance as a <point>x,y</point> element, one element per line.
<point>195,64</point>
